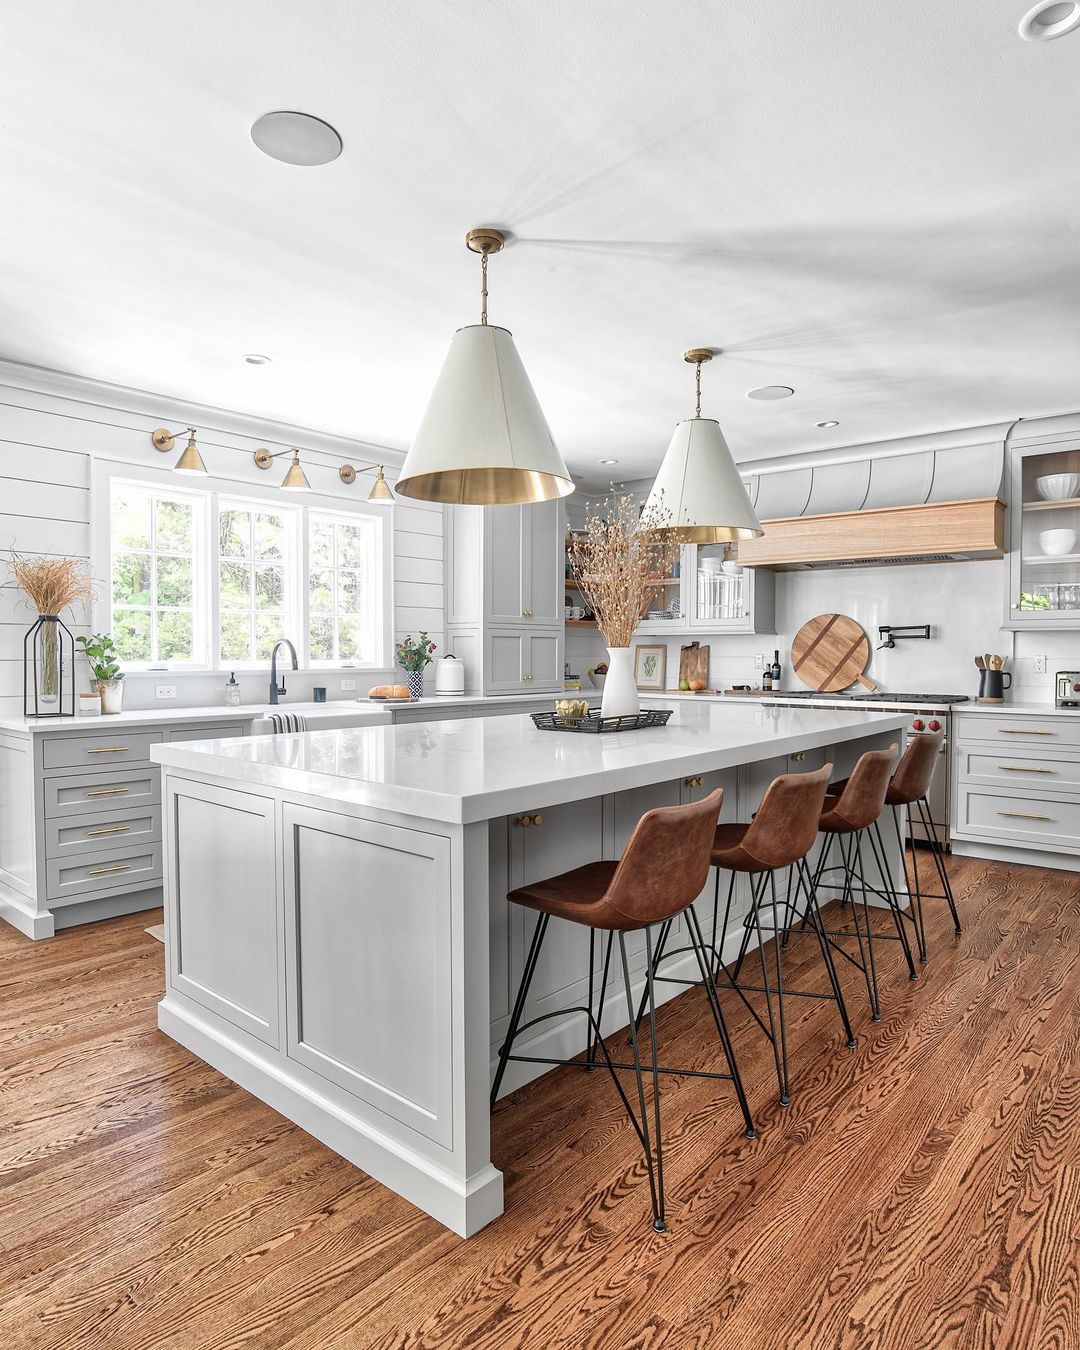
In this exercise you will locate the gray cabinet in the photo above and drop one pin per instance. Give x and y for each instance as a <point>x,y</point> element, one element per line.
<point>712,600</point>
<point>1044,526</point>
<point>504,596</point>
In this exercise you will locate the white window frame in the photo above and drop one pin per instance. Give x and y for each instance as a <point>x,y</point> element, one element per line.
<point>210,493</point>
<point>381,561</point>
<point>201,585</point>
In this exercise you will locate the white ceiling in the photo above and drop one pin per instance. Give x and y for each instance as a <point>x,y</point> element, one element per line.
<point>874,202</point>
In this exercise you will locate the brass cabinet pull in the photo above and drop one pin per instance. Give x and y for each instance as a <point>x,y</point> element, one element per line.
<point>526,821</point>
<point>1023,768</point>
<point>526,613</point>
<point>798,758</point>
<point>108,750</point>
<point>1024,731</point>
<point>694,782</point>
<point>116,867</point>
<point>104,792</point>
<point>526,677</point>
<point>108,829</point>
<point>1024,815</point>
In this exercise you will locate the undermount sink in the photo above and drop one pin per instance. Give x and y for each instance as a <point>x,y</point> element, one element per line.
<point>323,716</point>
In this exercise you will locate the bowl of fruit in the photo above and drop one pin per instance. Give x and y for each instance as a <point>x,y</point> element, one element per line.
<point>598,675</point>
<point>692,686</point>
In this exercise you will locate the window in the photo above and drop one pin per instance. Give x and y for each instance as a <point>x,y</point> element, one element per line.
<point>256,574</point>
<point>203,580</point>
<point>156,537</point>
<point>344,596</point>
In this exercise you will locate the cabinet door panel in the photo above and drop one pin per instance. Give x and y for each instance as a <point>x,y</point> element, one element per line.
<point>543,574</point>
<point>544,660</point>
<point>569,836</point>
<point>505,563</point>
<point>506,658</point>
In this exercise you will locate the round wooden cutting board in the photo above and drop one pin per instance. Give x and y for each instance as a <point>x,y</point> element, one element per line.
<point>830,652</point>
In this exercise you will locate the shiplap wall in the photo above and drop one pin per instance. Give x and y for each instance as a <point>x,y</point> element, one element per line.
<point>54,428</point>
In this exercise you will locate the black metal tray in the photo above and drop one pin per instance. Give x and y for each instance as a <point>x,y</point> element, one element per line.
<point>595,723</point>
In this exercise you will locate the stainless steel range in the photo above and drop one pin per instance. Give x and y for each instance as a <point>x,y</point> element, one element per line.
<point>929,712</point>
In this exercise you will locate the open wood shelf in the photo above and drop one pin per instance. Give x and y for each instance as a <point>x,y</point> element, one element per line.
<point>580,623</point>
<point>1055,505</point>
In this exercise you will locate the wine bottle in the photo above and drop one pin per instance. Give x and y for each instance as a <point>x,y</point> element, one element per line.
<point>776,670</point>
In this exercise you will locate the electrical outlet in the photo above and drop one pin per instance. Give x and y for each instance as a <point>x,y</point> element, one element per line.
<point>1040,665</point>
<point>759,660</point>
<point>348,686</point>
<point>165,691</point>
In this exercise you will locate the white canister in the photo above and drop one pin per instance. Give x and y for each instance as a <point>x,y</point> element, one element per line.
<point>449,675</point>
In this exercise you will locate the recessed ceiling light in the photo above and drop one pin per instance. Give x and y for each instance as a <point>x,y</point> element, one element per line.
<point>296,138</point>
<point>768,392</point>
<point>255,359</point>
<point>609,461</point>
<point>827,424</point>
<point>1049,20</point>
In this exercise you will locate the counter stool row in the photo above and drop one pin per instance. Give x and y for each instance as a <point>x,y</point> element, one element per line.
<point>664,869</point>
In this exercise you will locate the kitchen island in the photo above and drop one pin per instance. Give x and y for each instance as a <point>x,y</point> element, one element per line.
<point>337,936</point>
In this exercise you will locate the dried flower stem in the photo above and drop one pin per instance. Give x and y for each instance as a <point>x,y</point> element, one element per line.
<point>52,584</point>
<point>617,564</point>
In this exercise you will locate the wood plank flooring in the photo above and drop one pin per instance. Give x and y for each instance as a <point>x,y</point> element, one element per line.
<point>920,1191</point>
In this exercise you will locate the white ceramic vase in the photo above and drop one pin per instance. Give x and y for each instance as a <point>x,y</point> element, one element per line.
<point>620,692</point>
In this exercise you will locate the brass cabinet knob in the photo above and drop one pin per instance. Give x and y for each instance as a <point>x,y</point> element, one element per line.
<point>798,759</point>
<point>538,820</point>
<point>523,821</point>
<point>694,782</point>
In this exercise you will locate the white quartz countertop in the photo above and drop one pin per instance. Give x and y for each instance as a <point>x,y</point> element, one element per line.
<point>148,717</point>
<point>478,769</point>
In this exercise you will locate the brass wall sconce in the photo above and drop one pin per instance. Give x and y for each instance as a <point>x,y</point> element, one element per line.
<point>295,479</point>
<point>190,461</point>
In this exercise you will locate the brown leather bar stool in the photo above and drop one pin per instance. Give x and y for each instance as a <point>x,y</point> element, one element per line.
<point>849,816</point>
<point>780,836</point>
<point>663,869</point>
<point>908,788</point>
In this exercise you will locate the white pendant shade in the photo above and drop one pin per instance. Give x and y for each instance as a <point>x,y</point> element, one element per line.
<point>483,438</point>
<point>698,490</point>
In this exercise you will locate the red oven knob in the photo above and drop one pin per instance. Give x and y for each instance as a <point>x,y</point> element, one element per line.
<point>917,725</point>
<point>1076,688</point>
<point>934,725</point>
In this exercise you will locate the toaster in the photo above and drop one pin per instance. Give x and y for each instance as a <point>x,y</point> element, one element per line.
<point>1068,689</point>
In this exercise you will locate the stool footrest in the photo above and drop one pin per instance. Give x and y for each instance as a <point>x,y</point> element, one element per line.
<point>615,1064</point>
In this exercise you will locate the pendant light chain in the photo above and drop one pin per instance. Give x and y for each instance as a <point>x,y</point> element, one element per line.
<point>697,388</point>
<point>483,288</point>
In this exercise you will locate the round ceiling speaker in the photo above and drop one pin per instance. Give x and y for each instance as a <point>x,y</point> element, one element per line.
<point>296,138</point>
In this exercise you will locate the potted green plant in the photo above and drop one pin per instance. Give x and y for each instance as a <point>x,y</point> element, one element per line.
<point>100,653</point>
<point>413,656</point>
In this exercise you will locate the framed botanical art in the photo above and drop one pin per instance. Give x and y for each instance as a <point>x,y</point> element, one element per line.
<point>650,666</point>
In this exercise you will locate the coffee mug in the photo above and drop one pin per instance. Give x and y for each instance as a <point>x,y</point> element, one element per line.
<point>577,612</point>
<point>319,694</point>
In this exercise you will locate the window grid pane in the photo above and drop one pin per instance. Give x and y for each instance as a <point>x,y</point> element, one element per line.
<point>342,606</point>
<point>152,575</point>
<point>253,569</point>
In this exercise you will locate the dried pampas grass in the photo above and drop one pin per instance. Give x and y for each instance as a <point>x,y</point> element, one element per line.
<point>52,584</point>
<point>617,563</point>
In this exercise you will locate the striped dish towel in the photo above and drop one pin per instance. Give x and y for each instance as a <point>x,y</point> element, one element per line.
<point>283,722</point>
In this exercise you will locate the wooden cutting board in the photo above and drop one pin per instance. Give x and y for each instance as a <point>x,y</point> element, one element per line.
<point>830,652</point>
<point>694,663</point>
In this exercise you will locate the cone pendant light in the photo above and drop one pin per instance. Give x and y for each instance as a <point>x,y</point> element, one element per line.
<point>483,439</point>
<point>698,490</point>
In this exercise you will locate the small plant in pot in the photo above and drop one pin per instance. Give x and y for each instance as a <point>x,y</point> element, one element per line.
<point>101,655</point>
<point>413,656</point>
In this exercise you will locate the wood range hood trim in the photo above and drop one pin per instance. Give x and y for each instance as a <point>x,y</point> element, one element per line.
<point>887,536</point>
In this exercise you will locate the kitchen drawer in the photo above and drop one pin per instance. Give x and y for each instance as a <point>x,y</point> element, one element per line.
<point>67,835</point>
<point>1032,820</point>
<point>1027,771</point>
<point>90,793</point>
<point>86,752</point>
<point>1044,732</point>
<point>209,731</point>
<point>75,878</point>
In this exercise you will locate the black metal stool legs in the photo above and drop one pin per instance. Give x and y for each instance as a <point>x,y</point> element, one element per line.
<point>519,1003</point>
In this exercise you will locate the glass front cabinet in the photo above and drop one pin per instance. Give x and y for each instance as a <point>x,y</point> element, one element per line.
<point>1044,537</point>
<point>712,594</point>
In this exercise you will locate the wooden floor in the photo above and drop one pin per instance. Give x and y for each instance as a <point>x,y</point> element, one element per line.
<point>920,1191</point>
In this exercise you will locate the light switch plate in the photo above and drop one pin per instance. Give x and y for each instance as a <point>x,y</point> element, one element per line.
<point>165,691</point>
<point>1040,665</point>
<point>348,686</point>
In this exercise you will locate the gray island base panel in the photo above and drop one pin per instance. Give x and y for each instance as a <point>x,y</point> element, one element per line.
<point>338,940</point>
